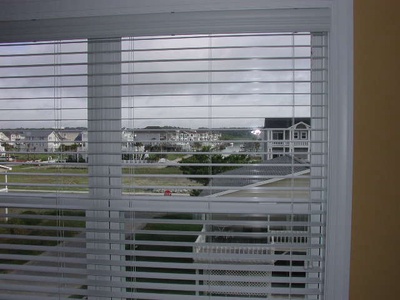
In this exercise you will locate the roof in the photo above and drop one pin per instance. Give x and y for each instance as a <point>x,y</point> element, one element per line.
<point>8,132</point>
<point>68,135</point>
<point>284,122</point>
<point>279,166</point>
<point>38,133</point>
<point>79,137</point>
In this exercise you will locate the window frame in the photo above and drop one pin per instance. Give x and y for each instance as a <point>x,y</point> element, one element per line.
<point>61,17</point>
<point>337,276</point>
<point>278,135</point>
<point>303,135</point>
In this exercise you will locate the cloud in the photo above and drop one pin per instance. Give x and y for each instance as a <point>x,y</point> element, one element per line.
<point>237,83</point>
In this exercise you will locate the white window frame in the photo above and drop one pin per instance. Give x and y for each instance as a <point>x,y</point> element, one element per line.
<point>337,273</point>
<point>303,134</point>
<point>62,19</point>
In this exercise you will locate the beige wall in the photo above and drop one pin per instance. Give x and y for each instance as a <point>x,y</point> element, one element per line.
<point>375,262</point>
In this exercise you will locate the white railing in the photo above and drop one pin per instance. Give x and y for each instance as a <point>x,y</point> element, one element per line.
<point>232,254</point>
<point>301,143</point>
<point>222,252</point>
<point>287,143</point>
<point>229,251</point>
<point>280,143</point>
<point>288,237</point>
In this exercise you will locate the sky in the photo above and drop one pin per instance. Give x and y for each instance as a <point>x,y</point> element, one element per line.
<point>190,82</point>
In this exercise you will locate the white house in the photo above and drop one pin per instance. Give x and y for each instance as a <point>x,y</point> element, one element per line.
<point>82,142</point>
<point>68,137</point>
<point>2,151</point>
<point>287,136</point>
<point>4,138</point>
<point>14,138</point>
<point>41,140</point>
<point>147,136</point>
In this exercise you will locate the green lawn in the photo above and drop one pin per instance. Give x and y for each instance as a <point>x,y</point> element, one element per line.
<point>46,176</point>
<point>173,156</point>
<point>76,178</point>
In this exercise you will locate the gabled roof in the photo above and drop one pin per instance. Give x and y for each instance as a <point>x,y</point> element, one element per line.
<point>79,137</point>
<point>279,166</point>
<point>8,133</point>
<point>300,125</point>
<point>284,122</point>
<point>67,135</point>
<point>37,133</point>
<point>4,137</point>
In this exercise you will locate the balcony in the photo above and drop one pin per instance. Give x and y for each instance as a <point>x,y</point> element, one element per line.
<point>289,143</point>
<point>246,249</point>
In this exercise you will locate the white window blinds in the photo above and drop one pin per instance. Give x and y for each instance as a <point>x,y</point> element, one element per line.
<point>164,167</point>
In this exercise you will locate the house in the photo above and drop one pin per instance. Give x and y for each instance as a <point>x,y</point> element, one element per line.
<point>268,238</point>
<point>2,151</point>
<point>4,138</point>
<point>186,138</point>
<point>194,136</point>
<point>68,137</point>
<point>287,135</point>
<point>82,142</point>
<point>13,138</point>
<point>148,136</point>
<point>41,140</point>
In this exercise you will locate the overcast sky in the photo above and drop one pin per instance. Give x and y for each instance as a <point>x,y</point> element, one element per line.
<point>214,94</point>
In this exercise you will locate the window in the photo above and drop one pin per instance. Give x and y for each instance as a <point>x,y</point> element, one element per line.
<point>277,135</point>
<point>158,188</point>
<point>140,93</point>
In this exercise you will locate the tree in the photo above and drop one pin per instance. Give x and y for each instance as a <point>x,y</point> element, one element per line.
<point>201,165</point>
<point>68,148</point>
<point>8,147</point>
<point>155,148</point>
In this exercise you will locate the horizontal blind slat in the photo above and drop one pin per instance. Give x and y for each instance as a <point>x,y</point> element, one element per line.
<point>137,126</point>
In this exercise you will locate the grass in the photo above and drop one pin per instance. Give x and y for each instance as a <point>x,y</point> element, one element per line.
<point>44,175</point>
<point>173,156</point>
<point>35,156</point>
<point>76,178</point>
